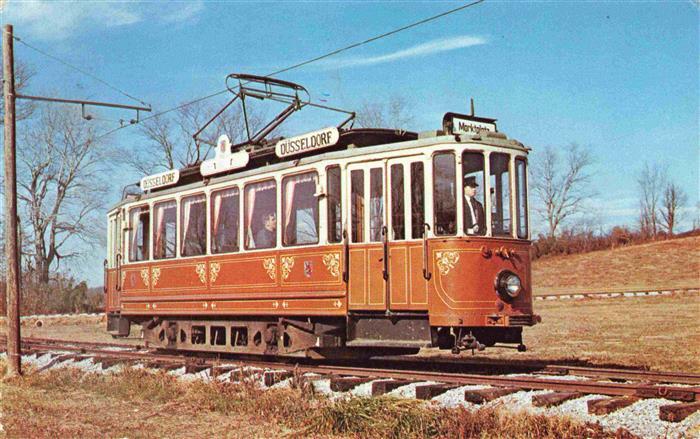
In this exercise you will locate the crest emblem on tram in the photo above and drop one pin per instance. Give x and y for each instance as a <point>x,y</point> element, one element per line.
<point>308,268</point>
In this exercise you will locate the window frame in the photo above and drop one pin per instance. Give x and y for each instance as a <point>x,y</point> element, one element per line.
<point>132,229</point>
<point>432,192</point>
<point>269,178</point>
<point>210,213</point>
<point>526,214</point>
<point>328,203</point>
<point>177,228</point>
<point>485,185</point>
<point>281,225</point>
<point>181,233</point>
<point>410,195</point>
<point>511,195</point>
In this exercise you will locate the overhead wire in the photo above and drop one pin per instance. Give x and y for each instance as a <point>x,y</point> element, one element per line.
<point>303,63</point>
<point>78,69</point>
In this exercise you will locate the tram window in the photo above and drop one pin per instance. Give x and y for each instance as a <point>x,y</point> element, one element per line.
<point>398,217</point>
<point>335,225</point>
<point>139,233</point>
<point>225,217</point>
<point>357,187</point>
<point>417,200</point>
<point>300,209</point>
<point>444,194</point>
<point>261,215</point>
<point>521,191</point>
<point>193,220</point>
<point>376,204</point>
<point>165,244</point>
<point>473,187</point>
<point>500,194</point>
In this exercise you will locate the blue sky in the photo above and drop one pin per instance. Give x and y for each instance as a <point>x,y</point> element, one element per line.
<point>619,78</point>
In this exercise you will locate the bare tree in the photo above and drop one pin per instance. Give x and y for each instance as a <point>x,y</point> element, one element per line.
<point>24,109</point>
<point>673,200</point>
<point>560,181</point>
<point>395,113</point>
<point>651,182</point>
<point>61,187</point>
<point>169,137</point>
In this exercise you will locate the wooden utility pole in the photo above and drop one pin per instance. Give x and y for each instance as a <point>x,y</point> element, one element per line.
<point>14,354</point>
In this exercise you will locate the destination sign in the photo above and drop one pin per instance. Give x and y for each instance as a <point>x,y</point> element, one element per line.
<point>167,178</point>
<point>225,160</point>
<point>461,125</point>
<point>307,142</point>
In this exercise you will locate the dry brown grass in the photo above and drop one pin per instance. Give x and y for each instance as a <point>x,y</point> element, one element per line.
<point>658,333</point>
<point>665,264</point>
<point>68,403</point>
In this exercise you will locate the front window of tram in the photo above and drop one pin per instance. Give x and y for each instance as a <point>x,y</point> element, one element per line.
<point>473,195</point>
<point>501,221</point>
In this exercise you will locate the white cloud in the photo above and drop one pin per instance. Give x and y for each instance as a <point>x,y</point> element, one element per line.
<point>59,20</point>
<point>425,49</point>
<point>183,12</point>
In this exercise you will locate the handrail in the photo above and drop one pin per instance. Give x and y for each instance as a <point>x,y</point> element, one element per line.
<point>119,272</point>
<point>427,275</point>
<point>346,257</point>
<point>105,276</point>
<point>385,245</point>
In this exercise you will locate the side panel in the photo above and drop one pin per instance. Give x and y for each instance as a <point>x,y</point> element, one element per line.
<point>286,281</point>
<point>462,288</point>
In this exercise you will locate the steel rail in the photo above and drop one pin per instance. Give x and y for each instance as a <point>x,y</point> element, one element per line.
<point>691,393</point>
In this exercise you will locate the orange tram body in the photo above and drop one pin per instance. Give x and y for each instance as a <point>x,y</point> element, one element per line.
<point>340,242</point>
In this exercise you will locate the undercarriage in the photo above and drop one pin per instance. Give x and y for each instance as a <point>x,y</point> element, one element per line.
<point>358,335</point>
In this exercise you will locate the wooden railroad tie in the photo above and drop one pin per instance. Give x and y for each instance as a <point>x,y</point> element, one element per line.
<point>554,398</point>
<point>678,412</point>
<point>382,387</point>
<point>106,363</point>
<point>272,377</point>
<point>430,391</point>
<point>603,406</point>
<point>343,384</point>
<point>481,396</point>
<point>685,394</point>
<point>221,369</point>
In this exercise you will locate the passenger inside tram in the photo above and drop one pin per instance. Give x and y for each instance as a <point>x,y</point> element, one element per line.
<point>260,217</point>
<point>474,221</point>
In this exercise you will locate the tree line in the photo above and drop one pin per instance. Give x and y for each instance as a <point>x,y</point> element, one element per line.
<point>561,184</point>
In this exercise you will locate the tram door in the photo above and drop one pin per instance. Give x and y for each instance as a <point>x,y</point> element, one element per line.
<point>114,261</point>
<point>385,212</point>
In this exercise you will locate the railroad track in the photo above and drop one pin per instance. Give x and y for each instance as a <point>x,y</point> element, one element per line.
<point>622,387</point>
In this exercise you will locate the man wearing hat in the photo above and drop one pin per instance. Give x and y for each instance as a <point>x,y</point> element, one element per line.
<point>474,221</point>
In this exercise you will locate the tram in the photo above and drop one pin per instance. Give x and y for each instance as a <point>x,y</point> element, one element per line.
<point>335,243</point>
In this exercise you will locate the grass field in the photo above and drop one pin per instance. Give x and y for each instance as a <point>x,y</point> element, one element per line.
<point>665,264</point>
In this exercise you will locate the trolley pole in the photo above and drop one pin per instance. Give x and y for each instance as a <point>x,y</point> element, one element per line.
<point>11,231</point>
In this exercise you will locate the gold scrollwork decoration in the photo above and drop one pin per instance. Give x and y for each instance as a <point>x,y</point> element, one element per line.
<point>201,270</point>
<point>271,267</point>
<point>446,261</point>
<point>287,262</point>
<point>332,263</point>
<point>214,269</point>
<point>155,276</point>
<point>145,277</point>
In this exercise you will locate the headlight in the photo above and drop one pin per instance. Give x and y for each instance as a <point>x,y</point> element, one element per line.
<point>508,284</point>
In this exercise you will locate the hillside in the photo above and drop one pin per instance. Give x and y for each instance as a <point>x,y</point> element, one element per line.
<point>658,265</point>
